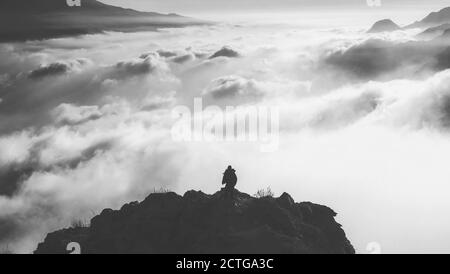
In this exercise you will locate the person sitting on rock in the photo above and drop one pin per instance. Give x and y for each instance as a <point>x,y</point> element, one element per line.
<point>229,178</point>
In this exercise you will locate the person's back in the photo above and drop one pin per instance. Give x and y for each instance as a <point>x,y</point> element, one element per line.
<point>229,178</point>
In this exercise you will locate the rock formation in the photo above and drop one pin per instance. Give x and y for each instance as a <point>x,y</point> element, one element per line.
<point>166,223</point>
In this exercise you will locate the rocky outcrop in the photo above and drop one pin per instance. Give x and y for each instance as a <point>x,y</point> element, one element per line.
<point>384,26</point>
<point>199,223</point>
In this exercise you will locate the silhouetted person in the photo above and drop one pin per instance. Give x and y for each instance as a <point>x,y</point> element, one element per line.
<point>229,178</point>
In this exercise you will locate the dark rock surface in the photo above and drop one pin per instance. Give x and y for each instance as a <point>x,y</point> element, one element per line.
<point>199,223</point>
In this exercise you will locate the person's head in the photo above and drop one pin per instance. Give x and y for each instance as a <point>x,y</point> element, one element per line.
<point>230,167</point>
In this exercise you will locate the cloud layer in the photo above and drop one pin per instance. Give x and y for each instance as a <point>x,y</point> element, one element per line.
<point>85,124</point>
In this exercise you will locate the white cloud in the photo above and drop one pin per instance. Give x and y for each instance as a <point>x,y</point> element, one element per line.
<point>139,66</point>
<point>58,68</point>
<point>101,137</point>
<point>69,114</point>
<point>232,86</point>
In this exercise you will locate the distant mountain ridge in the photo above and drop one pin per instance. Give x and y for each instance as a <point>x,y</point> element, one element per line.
<point>433,19</point>
<point>198,223</point>
<point>22,20</point>
<point>45,5</point>
<point>436,21</point>
<point>49,6</point>
<point>434,31</point>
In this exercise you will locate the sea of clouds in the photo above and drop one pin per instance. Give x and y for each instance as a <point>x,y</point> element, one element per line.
<point>85,124</point>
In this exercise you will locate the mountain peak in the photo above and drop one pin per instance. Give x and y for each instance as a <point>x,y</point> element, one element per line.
<point>384,25</point>
<point>440,17</point>
<point>198,223</point>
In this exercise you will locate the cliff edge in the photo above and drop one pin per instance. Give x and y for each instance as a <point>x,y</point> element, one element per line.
<point>198,223</point>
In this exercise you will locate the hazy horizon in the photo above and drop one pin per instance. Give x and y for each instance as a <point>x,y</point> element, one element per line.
<point>402,11</point>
